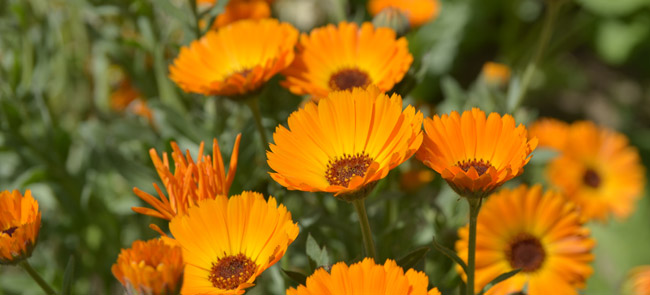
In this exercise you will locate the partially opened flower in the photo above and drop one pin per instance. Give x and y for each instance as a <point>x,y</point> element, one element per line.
<point>475,154</point>
<point>638,281</point>
<point>228,242</point>
<point>237,10</point>
<point>551,133</point>
<point>418,12</point>
<point>150,267</point>
<point>599,171</point>
<point>190,181</point>
<point>344,143</point>
<point>365,278</point>
<point>20,221</point>
<point>535,231</point>
<point>342,57</point>
<point>237,59</point>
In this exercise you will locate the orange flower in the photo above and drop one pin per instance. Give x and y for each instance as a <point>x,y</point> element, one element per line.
<point>475,154</point>
<point>365,278</point>
<point>243,9</point>
<point>228,242</point>
<point>126,97</point>
<point>340,58</point>
<point>496,73</point>
<point>418,12</point>
<point>599,171</point>
<point>638,281</point>
<point>345,143</point>
<point>551,133</point>
<point>20,221</point>
<point>414,179</point>
<point>535,231</point>
<point>150,267</point>
<point>190,182</point>
<point>235,60</point>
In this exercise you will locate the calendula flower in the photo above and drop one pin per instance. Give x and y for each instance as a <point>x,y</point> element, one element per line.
<point>237,59</point>
<point>551,133</point>
<point>418,12</point>
<point>237,10</point>
<point>638,281</point>
<point>190,182</point>
<point>414,179</point>
<point>344,143</point>
<point>228,242</point>
<point>496,73</point>
<point>20,221</point>
<point>125,97</point>
<point>599,171</point>
<point>365,278</point>
<point>475,154</point>
<point>150,267</point>
<point>535,231</point>
<point>343,57</point>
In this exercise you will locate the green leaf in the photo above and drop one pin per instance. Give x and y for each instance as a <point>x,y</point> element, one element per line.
<point>295,276</point>
<point>316,253</point>
<point>502,277</point>
<point>451,254</point>
<point>412,259</point>
<point>68,275</point>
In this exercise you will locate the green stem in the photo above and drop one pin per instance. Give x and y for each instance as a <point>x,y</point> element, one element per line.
<point>474,208</point>
<point>254,105</point>
<point>545,35</point>
<point>197,18</point>
<point>39,280</point>
<point>366,233</point>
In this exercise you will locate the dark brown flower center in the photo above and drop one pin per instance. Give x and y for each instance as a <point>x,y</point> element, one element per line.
<point>526,253</point>
<point>231,271</point>
<point>244,72</point>
<point>480,165</point>
<point>591,178</point>
<point>349,78</point>
<point>10,231</point>
<point>341,170</point>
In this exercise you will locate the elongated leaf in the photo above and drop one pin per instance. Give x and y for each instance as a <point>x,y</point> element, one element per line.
<point>295,276</point>
<point>450,253</point>
<point>502,277</point>
<point>412,259</point>
<point>68,276</point>
<point>316,253</point>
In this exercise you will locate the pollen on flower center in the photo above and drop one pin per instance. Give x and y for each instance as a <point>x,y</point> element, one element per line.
<point>10,231</point>
<point>349,78</point>
<point>341,170</point>
<point>591,178</point>
<point>480,165</point>
<point>231,271</point>
<point>526,253</point>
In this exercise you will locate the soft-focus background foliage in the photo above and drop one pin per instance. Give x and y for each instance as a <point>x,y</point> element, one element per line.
<point>61,60</point>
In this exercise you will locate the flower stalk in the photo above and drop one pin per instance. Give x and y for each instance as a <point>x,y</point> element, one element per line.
<point>474,208</point>
<point>369,246</point>
<point>39,280</point>
<point>254,105</point>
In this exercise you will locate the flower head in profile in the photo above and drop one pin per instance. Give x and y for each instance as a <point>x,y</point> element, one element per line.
<point>151,267</point>
<point>190,182</point>
<point>599,171</point>
<point>345,143</point>
<point>418,12</point>
<point>237,59</point>
<point>365,277</point>
<point>551,133</point>
<point>475,154</point>
<point>20,221</point>
<point>237,10</point>
<point>343,57</point>
<point>638,281</point>
<point>228,242</point>
<point>535,231</point>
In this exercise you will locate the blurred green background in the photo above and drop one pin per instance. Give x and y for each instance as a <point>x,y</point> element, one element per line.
<point>61,60</point>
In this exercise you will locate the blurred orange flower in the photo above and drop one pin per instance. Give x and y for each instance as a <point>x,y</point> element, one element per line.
<point>496,73</point>
<point>365,277</point>
<point>150,267</point>
<point>638,281</point>
<point>127,98</point>
<point>20,222</point>
<point>414,179</point>
<point>342,57</point>
<point>418,12</point>
<point>551,133</point>
<point>237,59</point>
<point>345,143</point>
<point>599,171</point>
<point>535,231</point>
<point>228,242</point>
<point>243,9</point>
<point>191,181</point>
<point>475,154</point>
